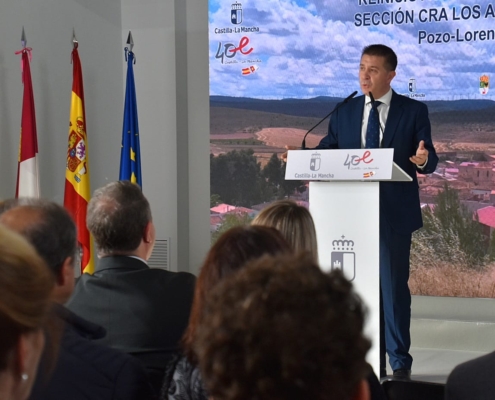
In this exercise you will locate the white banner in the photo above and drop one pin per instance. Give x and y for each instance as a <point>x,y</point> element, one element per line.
<point>339,165</point>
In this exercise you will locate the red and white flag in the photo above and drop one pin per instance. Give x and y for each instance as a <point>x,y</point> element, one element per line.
<point>27,168</point>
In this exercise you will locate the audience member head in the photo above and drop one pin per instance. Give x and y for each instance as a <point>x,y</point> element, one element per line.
<point>25,287</point>
<point>49,228</point>
<point>294,223</point>
<point>119,218</point>
<point>281,329</point>
<point>230,252</point>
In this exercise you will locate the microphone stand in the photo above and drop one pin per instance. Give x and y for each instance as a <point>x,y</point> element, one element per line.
<point>303,144</point>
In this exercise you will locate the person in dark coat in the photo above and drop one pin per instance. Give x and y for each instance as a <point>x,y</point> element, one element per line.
<point>87,370</point>
<point>382,118</point>
<point>82,369</point>
<point>144,311</point>
<point>472,380</point>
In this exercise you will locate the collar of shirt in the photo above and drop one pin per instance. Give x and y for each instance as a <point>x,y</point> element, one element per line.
<point>136,257</point>
<point>139,258</point>
<point>382,111</point>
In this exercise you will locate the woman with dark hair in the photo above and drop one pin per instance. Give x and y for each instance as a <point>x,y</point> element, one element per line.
<point>25,288</point>
<point>230,253</point>
<point>282,329</point>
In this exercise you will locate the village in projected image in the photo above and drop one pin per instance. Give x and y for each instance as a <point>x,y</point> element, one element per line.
<point>278,67</point>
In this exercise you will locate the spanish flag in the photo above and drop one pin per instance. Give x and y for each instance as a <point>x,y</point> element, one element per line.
<point>77,187</point>
<point>27,167</point>
<point>130,157</point>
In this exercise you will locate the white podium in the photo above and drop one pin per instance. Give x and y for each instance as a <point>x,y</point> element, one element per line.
<point>344,202</point>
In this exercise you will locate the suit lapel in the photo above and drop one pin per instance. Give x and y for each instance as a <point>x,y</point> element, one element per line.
<point>356,122</point>
<point>393,119</point>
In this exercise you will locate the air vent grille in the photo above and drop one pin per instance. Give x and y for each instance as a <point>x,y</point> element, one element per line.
<point>160,258</point>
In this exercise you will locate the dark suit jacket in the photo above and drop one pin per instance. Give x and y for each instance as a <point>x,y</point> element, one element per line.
<point>86,370</point>
<point>144,311</point>
<point>407,124</point>
<point>472,380</point>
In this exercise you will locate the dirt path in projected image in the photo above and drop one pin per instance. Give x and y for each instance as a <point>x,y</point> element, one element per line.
<point>281,137</point>
<point>450,146</point>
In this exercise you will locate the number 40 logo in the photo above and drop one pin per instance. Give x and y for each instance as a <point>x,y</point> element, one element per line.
<point>230,50</point>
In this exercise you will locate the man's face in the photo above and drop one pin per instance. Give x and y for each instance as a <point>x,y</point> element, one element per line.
<point>374,76</point>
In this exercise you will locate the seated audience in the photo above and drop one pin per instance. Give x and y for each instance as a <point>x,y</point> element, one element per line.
<point>297,227</point>
<point>472,380</point>
<point>281,329</point>
<point>144,311</point>
<point>294,223</point>
<point>25,289</point>
<point>84,369</point>
<point>231,251</point>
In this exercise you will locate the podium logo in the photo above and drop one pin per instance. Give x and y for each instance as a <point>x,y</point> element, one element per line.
<point>343,257</point>
<point>354,160</point>
<point>315,162</point>
<point>236,13</point>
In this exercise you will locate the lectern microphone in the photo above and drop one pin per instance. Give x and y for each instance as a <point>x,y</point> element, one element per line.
<point>303,144</point>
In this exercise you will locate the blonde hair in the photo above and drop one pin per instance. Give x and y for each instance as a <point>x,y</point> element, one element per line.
<point>26,284</point>
<point>294,223</point>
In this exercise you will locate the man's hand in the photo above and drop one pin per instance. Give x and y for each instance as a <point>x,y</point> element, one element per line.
<point>421,155</point>
<point>284,155</point>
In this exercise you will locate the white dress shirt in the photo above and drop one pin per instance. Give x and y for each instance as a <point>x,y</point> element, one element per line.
<point>382,113</point>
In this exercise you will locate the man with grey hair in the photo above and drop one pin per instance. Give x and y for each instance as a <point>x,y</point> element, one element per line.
<point>83,369</point>
<point>145,311</point>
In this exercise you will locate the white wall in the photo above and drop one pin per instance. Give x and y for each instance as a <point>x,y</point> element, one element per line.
<point>48,26</point>
<point>171,76</point>
<point>171,72</point>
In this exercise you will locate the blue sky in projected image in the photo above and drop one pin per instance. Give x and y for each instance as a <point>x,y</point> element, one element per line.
<point>310,48</point>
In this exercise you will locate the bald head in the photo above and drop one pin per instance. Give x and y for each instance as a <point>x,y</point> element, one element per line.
<point>47,226</point>
<point>52,232</point>
<point>21,218</point>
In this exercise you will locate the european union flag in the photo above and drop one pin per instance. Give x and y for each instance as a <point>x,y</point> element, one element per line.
<point>130,156</point>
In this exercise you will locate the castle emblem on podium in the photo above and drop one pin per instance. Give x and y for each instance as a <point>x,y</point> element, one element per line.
<point>343,257</point>
<point>315,163</point>
<point>236,13</point>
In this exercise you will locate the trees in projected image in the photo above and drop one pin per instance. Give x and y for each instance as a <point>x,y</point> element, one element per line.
<point>238,179</point>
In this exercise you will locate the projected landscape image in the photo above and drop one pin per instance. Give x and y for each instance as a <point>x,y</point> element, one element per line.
<point>277,68</point>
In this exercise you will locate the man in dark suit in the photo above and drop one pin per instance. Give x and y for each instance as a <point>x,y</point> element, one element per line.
<point>472,380</point>
<point>403,125</point>
<point>83,369</point>
<point>145,311</point>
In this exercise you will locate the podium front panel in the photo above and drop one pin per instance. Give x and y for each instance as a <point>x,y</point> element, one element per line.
<point>346,216</point>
